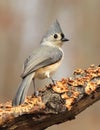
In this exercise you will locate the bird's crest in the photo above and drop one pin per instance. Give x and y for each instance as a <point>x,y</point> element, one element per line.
<point>54,28</point>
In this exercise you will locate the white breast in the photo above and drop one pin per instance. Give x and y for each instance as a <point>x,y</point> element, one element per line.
<point>48,71</point>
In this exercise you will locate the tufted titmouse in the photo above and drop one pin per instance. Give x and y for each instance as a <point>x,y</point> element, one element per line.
<point>43,62</point>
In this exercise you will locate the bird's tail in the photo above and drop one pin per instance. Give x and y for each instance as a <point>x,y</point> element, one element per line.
<point>22,90</point>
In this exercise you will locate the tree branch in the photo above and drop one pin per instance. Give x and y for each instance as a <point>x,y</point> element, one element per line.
<point>56,104</point>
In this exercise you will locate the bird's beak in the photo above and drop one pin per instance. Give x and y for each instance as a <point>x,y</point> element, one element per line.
<point>64,39</point>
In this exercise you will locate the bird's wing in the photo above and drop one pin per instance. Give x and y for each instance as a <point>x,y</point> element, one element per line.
<point>42,57</point>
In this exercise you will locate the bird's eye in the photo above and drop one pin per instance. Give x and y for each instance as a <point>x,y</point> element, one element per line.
<point>62,35</point>
<point>55,36</point>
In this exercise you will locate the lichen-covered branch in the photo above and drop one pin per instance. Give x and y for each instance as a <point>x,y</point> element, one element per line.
<point>56,104</point>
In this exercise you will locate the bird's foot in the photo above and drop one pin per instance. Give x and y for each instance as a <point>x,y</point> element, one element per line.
<point>36,93</point>
<point>53,81</point>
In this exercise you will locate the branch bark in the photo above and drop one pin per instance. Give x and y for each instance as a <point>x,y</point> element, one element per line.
<point>56,104</point>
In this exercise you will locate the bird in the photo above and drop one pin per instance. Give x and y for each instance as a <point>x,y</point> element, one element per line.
<point>43,62</point>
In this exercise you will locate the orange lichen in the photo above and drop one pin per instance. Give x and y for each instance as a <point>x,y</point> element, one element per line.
<point>60,87</point>
<point>64,96</point>
<point>78,71</point>
<point>91,86</point>
<point>69,103</point>
<point>69,100</point>
<point>75,94</point>
<point>7,112</point>
<point>76,82</point>
<point>82,78</point>
<point>98,82</point>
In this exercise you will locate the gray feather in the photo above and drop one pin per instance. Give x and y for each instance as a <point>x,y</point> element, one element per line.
<point>40,59</point>
<point>22,90</point>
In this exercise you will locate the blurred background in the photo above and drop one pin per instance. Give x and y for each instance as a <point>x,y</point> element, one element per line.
<point>22,25</point>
